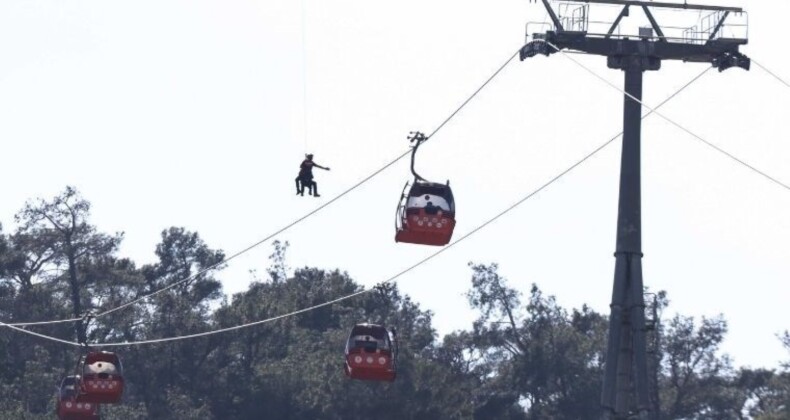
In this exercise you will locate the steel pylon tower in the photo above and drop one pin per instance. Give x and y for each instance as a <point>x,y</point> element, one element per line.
<point>625,392</point>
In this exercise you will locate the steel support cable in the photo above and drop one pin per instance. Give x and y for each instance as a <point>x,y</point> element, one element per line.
<point>472,96</point>
<point>27,324</point>
<point>392,278</point>
<point>776,76</point>
<point>669,120</point>
<point>293,223</point>
<point>35,334</point>
<point>304,74</point>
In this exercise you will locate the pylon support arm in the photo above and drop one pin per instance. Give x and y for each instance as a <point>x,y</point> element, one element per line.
<point>552,15</point>
<point>654,24</point>
<point>722,53</point>
<point>719,24</point>
<point>667,5</point>
<point>616,23</point>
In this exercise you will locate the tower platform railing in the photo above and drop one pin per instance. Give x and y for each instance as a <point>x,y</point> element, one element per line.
<point>617,19</point>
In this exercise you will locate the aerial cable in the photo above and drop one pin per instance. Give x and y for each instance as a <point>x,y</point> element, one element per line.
<point>392,278</point>
<point>776,76</point>
<point>296,221</point>
<point>27,324</point>
<point>321,207</point>
<point>304,75</point>
<point>260,242</point>
<point>44,336</point>
<point>667,119</point>
<point>496,73</point>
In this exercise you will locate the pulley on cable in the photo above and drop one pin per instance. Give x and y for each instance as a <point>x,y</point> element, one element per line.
<point>371,353</point>
<point>426,215</point>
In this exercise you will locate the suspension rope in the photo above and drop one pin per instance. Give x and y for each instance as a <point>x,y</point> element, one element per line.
<point>496,73</point>
<point>765,69</point>
<point>27,324</point>
<point>669,120</point>
<point>298,220</point>
<point>392,278</point>
<point>44,336</point>
<point>304,74</point>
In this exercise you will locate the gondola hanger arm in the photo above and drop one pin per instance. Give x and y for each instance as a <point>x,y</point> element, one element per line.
<point>416,136</point>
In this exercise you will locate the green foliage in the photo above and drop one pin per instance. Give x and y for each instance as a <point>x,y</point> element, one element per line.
<point>524,357</point>
<point>544,356</point>
<point>695,373</point>
<point>124,412</point>
<point>770,390</point>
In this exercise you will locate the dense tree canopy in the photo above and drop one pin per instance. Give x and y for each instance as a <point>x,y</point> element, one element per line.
<point>524,357</point>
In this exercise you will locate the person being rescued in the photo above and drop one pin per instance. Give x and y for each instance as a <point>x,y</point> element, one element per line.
<point>305,177</point>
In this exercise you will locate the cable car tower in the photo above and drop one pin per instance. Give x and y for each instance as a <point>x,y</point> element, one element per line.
<point>712,35</point>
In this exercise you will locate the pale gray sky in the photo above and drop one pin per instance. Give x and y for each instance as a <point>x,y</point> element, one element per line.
<point>192,113</point>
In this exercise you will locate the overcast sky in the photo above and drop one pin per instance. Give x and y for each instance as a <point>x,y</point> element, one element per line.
<point>196,113</point>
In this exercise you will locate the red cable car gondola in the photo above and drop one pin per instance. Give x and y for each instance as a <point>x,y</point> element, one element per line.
<point>70,406</point>
<point>102,378</point>
<point>371,353</point>
<point>426,215</point>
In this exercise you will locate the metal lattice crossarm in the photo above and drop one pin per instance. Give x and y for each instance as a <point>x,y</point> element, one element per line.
<point>667,5</point>
<point>704,41</point>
